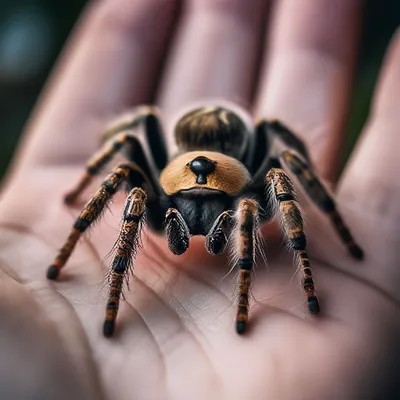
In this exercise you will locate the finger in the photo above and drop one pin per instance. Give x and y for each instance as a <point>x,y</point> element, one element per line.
<point>215,54</point>
<point>370,185</point>
<point>371,182</point>
<point>110,64</point>
<point>306,78</point>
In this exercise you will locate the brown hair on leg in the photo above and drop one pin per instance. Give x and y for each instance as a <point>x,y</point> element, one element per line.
<point>89,214</point>
<point>320,196</point>
<point>126,249</point>
<point>247,223</point>
<point>292,223</point>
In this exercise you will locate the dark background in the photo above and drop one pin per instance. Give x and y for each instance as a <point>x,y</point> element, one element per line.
<point>32,33</point>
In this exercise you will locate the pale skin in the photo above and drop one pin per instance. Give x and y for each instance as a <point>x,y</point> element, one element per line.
<point>175,337</point>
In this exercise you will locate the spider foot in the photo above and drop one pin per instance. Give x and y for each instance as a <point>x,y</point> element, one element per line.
<point>356,251</point>
<point>108,328</point>
<point>52,272</point>
<point>313,304</point>
<point>241,327</point>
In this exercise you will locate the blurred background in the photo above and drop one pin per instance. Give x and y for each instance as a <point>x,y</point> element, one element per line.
<point>32,33</point>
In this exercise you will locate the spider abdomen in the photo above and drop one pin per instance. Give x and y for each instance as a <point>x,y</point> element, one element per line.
<point>214,129</point>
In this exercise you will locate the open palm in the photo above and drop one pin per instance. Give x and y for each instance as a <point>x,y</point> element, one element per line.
<point>175,336</point>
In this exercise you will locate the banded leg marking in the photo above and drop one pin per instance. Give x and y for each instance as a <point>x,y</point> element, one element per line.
<point>246,226</point>
<point>126,250</point>
<point>89,214</point>
<point>288,137</point>
<point>320,196</point>
<point>292,223</point>
<point>95,164</point>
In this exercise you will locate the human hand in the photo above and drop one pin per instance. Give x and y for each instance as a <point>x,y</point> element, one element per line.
<point>175,336</point>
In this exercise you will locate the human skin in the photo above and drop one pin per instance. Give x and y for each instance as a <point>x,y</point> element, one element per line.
<point>175,334</point>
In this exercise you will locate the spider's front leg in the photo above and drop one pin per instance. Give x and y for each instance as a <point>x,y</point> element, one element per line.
<point>126,250</point>
<point>247,224</point>
<point>292,223</point>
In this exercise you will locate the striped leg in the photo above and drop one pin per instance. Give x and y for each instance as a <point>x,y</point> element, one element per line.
<point>177,231</point>
<point>292,223</point>
<point>216,239</point>
<point>89,214</point>
<point>126,250</point>
<point>247,223</point>
<point>99,160</point>
<point>322,199</point>
<point>123,134</point>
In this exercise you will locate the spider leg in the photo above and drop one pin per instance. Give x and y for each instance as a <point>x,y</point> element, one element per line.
<point>321,198</point>
<point>289,138</point>
<point>292,223</point>
<point>247,223</point>
<point>122,136</point>
<point>126,250</point>
<point>91,212</point>
<point>270,138</point>
<point>177,231</point>
<point>216,239</point>
<point>95,164</point>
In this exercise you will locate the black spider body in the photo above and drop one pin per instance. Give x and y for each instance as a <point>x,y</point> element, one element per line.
<point>201,210</point>
<point>225,179</point>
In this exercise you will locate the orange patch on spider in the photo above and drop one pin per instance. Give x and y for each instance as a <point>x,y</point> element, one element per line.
<point>230,175</point>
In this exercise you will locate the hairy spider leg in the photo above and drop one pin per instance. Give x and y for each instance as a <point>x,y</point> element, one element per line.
<point>320,196</point>
<point>95,164</point>
<point>247,223</point>
<point>217,237</point>
<point>177,231</point>
<point>288,137</point>
<point>265,134</point>
<point>119,136</point>
<point>90,213</point>
<point>126,249</point>
<point>292,223</point>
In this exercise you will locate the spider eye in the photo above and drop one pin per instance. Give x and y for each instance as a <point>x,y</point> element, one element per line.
<point>202,165</point>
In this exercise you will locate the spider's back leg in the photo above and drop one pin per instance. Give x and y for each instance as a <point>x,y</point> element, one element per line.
<point>320,196</point>
<point>147,150</point>
<point>288,138</point>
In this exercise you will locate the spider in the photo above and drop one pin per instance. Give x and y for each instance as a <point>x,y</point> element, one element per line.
<point>214,186</point>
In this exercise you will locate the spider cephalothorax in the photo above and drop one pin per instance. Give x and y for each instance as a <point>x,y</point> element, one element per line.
<point>214,186</point>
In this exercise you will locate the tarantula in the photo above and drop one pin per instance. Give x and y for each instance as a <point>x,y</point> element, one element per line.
<point>214,186</point>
